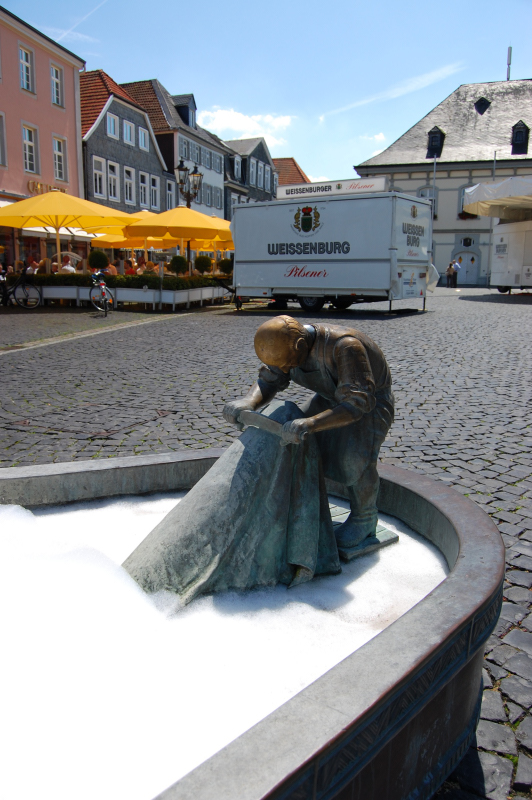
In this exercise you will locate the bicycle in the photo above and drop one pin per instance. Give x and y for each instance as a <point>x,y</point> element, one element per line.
<point>100,294</point>
<point>24,292</point>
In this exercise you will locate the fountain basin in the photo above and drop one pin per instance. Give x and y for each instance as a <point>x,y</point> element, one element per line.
<point>391,720</point>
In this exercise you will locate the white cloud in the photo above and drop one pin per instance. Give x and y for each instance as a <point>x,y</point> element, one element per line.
<point>235,125</point>
<point>406,87</point>
<point>319,179</point>
<point>378,137</point>
<point>376,152</point>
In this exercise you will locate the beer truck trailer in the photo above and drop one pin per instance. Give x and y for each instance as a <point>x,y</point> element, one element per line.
<point>344,249</point>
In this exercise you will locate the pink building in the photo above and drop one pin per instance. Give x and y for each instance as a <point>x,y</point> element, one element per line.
<point>40,121</point>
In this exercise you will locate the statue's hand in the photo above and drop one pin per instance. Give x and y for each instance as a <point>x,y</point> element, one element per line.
<point>233,409</point>
<point>295,431</point>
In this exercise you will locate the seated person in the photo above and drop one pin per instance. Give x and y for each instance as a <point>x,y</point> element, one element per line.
<point>111,269</point>
<point>66,266</point>
<point>130,270</point>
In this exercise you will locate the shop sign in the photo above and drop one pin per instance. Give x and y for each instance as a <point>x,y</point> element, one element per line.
<point>330,188</point>
<point>35,187</point>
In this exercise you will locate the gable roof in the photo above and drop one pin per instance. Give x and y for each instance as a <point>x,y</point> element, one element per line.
<point>289,171</point>
<point>41,34</point>
<point>183,100</point>
<point>160,107</point>
<point>96,87</point>
<point>472,131</point>
<point>244,147</point>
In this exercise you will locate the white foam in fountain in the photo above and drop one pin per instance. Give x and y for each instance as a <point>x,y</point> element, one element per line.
<point>108,694</point>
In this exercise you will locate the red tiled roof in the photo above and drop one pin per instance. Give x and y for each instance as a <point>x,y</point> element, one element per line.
<point>144,93</point>
<point>289,171</point>
<point>96,87</point>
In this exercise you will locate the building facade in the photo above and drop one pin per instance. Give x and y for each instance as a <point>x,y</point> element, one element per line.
<point>173,119</point>
<point>123,165</point>
<point>40,124</point>
<point>251,176</point>
<point>478,134</point>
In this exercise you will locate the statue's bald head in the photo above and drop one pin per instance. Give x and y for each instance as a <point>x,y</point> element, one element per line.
<point>282,342</point>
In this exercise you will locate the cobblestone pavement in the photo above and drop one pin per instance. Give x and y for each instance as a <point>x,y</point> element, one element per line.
<point>19,326</point>
<point>461,378</point>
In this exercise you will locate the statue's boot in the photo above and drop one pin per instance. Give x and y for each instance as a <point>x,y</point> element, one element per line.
<point>353,531</point>
<point>302,575</point>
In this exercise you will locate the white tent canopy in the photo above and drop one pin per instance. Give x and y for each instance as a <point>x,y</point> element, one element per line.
<point>510,199</point>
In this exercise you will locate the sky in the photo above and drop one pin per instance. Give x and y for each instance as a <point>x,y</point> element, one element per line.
<point>329,83</point>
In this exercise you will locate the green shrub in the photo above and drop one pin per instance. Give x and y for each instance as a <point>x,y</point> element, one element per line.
<point>225,265</point>
<point>122,281</point>
<point>203,264</point>
<point>98,260</point>
<point>178,264</point>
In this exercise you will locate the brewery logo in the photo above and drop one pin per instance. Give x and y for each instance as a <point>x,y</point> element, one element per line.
<point>413,211</point>
<point>307,219</point>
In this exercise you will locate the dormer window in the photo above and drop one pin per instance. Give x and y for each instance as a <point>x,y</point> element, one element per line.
<point>192,118</point>
<point>482,105</point>
<point>238,168</point>
<point>435,143</point>
<point>520,134</point>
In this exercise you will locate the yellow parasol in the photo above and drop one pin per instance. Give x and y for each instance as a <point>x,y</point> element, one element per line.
<point>59,210</point>
<point>181,223</point>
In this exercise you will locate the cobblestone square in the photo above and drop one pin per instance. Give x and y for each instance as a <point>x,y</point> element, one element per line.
<point>461,376</point>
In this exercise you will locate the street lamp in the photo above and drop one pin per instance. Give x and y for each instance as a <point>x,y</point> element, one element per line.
<point>189,182</point>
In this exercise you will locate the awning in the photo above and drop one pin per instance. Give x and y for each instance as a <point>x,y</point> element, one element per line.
<point>510,199</point>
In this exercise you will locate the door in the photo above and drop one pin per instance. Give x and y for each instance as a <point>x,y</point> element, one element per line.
<point>468,267</point>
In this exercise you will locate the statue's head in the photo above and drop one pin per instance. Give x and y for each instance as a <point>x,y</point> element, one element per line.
<point>282,342</point>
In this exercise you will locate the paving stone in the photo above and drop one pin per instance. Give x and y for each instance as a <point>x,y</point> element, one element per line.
<point>520,665</point>
<point>497,673</point>
<point>492,736</point>
<point>511,612</point>
<point>519,594</point>
<point>517,689</point>
<point>523,562</point>
<point>486,680</point>
<point>523,777</point>
<point>492,707</point>
<point>514,712</point>
<point>519,639</point>
<point>527,623</point>
<point>485,774</point>
<point>519,578</point>
<point>501,654</point>
<point>524,733</point>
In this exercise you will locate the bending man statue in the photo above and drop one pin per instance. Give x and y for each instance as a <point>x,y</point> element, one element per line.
<point>260,516</point>
<point>350,413</point>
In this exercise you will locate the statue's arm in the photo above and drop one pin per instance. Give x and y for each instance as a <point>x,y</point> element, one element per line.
<point>259,395</point>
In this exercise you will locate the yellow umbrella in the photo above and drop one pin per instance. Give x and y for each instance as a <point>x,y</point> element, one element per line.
<point>182,223</point>
<point>59,210</point>
<point>120,241</point>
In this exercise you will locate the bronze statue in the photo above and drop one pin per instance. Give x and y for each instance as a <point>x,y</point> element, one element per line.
<point>260,516</point>
<point>351,411</point>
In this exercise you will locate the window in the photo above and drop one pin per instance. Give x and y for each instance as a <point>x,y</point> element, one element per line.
<point>482,105</point>
<point>218,196</point>
<point>520,139</point>
<point>112,126</point>
<point>129,133</point>
<point>267,179</point>
<point>217,162</point>
<point>238,168</point>
<point>206,157</point>
<point>144,139</point>
<point>192,118</point>
<point>154,194</point>
<point>27,80</point>
<point>60,154</point>
<point>275,182</point>
<point>170,195</point>
<point>129,186</point>
<point>435,143</point>
<point>207,194</point>
<point>183,147</point>
<point>260,175</point>
<point>252,172</point>
<point>57,85</point>
<point>113,185</point>
<point>143,189</point>
<point>29,146</point>
<point>3,149</point>
<point>195,154</point>
<point>98,177</point>
<point>428,193</point>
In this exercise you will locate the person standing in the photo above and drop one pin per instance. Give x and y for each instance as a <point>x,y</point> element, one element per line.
<point>449,274</point>
<point>457,267</point>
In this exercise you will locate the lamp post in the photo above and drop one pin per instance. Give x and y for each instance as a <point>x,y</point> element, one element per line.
<point>189,183</point>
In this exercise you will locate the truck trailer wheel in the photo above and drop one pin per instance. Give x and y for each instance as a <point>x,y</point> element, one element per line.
<point>341,303</point>
<point>503,289</point>
<point>311,303</point>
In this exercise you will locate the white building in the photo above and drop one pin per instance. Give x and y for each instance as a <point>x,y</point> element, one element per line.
<point>464,133</point>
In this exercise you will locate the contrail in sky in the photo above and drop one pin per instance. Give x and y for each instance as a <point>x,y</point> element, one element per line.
<point>408,86</point>
<point>65,33</point>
